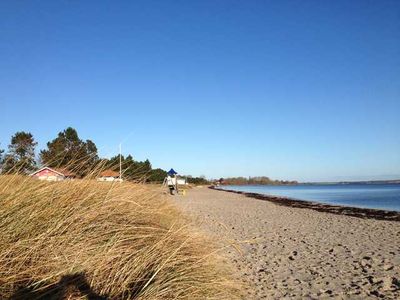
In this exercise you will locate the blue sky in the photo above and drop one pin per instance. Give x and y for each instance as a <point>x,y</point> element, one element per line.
<point>304,90</point>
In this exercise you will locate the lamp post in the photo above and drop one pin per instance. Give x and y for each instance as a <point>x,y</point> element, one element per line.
<point>120,162</point>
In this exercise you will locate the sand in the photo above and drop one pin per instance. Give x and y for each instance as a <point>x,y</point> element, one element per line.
<point>294,253</point>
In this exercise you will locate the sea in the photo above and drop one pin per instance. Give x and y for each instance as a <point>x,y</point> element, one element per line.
<point>376,196</point>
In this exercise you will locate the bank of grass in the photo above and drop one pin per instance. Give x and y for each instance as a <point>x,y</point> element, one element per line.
<point>84,239</point>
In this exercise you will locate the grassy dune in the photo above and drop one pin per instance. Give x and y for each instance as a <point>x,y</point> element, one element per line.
<point>89,240</point>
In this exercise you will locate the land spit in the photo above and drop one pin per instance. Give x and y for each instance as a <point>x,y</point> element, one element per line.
<point>283,251</point>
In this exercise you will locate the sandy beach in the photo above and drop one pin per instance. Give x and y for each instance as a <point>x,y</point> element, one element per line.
<point>291,252</point>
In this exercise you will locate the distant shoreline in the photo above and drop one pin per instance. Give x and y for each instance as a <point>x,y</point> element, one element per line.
<point>396,181</point>
<point>363,213</point>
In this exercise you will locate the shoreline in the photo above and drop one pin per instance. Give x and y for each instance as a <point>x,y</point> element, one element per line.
<point>358,212</point>
<point>279,251</point>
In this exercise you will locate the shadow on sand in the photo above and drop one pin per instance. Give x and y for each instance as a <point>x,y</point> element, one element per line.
<point>69,287</point>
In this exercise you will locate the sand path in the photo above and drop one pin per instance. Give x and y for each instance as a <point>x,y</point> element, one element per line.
<point>296,253</point>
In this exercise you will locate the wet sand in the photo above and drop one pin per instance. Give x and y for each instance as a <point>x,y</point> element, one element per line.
<point>288,252</point>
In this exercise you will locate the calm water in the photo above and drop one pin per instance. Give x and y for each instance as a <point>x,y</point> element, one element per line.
<point>381,196</point>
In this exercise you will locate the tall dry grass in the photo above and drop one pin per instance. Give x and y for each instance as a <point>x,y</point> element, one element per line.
<point>84,239</point>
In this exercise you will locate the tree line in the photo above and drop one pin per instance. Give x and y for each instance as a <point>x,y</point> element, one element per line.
<point>259,180</point>
<point>197,180</point>
<point>68,151</point>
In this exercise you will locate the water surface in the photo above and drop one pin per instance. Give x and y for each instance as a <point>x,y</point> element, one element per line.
<point>378,196</point>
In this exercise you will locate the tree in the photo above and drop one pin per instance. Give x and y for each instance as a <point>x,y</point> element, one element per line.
<point>156,175</point>
<point>131,169</point>
<point>1,159</point>
<point>259,180</point>
<point>197,180</point>
<point>147,166</point>
<point>20,157</point>
<point>69,151</point>
<point>91,153</point>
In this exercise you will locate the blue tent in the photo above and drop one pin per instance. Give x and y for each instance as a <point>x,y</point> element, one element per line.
<point>171,172</point>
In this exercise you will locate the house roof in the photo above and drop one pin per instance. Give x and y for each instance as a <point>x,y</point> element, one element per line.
<point>65,172</point>
<point>59,171</point>
<point>109,173</point>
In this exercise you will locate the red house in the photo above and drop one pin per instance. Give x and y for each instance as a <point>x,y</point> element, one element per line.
<point>109,175</point>
<point>52,174</point>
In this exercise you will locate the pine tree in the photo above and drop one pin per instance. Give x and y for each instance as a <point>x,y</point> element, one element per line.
<point>67,150</point>
<point>20,157</point>
<point>1,160</point>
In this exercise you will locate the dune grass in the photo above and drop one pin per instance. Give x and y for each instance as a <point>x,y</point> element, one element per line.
<point>84,239</point>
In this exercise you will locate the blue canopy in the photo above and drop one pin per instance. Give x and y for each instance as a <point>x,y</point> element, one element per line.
<point>172,172</point>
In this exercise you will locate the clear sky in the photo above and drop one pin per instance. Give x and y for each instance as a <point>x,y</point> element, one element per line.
<point>302,90</point>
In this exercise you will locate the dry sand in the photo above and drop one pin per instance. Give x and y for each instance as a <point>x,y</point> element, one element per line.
<point>288,252</point>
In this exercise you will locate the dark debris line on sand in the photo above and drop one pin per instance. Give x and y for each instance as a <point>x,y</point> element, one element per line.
<point>364,213</point>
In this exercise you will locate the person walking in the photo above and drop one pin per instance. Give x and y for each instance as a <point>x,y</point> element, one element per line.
<point>171,181</point>
<point>171,184</point>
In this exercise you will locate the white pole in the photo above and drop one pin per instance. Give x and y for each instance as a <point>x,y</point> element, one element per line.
<point>120,163</point>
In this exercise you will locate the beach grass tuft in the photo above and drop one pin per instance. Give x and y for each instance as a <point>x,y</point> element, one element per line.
<point>83,239</point>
